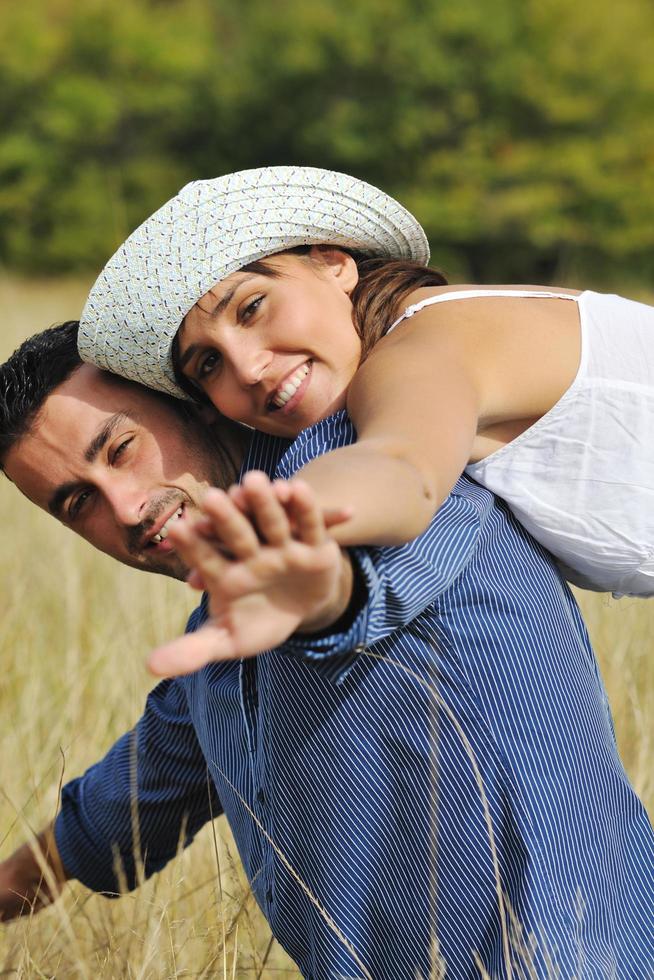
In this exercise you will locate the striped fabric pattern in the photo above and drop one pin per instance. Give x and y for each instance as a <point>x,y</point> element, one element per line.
<point>442,779</point>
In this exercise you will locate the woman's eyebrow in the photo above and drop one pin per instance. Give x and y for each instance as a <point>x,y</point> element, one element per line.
<point>221,305</point>
<point>227,298</point>
<point>187,355</point>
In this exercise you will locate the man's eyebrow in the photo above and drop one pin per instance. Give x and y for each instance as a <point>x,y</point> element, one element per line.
<point>96,444</point>
<point>103,435</point>
<point>219,308</point>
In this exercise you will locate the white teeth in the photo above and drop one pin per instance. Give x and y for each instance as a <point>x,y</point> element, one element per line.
<point>162,533</point>
<point>291,386</point>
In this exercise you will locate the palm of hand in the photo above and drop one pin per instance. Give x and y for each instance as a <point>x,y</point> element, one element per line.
<point>257,604</point>
<point>269,572</point>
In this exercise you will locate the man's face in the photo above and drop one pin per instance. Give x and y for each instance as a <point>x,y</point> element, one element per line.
<point>117,465</point>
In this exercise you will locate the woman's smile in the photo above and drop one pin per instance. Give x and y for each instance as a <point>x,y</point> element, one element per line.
<point>288,395</point>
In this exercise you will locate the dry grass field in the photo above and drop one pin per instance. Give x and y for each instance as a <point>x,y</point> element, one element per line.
<point>75,628</point>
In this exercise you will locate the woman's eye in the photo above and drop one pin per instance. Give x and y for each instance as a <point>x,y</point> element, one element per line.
<point>207,364</point>
<point>251,308</point>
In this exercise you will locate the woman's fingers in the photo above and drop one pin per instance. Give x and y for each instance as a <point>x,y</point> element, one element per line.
<point>306,515</point>
<point>232,529</point>
<point>265,509</point>
<point>337,515</point>
<point>200,554</point>
<point>192,651</point>
<point>237,496</point>
<point>239,520</point>
<point>284,490</point>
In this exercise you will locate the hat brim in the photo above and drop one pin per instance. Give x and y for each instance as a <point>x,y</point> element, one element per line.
<point>211,229</point>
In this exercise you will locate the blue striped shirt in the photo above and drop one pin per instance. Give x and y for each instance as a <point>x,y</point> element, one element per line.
<point>441,778</point>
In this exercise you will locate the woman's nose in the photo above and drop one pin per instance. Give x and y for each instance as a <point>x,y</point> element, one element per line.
<point>250,366</point>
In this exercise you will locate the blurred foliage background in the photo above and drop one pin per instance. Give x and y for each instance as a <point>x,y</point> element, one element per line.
<point>520,132</point>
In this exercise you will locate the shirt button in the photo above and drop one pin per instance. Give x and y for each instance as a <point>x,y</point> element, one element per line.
<point>360,648</point>
<point>269,896</point>
<point>261,797</point>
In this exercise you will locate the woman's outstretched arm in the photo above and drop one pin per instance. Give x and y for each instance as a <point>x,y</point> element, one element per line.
<point>415,404</point>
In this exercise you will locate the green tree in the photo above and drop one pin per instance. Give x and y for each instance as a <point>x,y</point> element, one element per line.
<point>521,133</point>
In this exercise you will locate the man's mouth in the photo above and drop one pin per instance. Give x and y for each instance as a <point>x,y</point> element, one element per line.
<point>287,395</point>
<point>162,533</point>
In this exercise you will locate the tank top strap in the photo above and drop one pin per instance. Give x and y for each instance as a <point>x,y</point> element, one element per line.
<point>476,294</point>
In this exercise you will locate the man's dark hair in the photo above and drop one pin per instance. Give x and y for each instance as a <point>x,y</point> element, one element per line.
<point>40,365</point>
<point>45,361</point>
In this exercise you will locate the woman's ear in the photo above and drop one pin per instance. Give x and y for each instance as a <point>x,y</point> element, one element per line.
<point>337,264</point>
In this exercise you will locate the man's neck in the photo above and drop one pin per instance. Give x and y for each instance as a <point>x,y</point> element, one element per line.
<point>232,441</point>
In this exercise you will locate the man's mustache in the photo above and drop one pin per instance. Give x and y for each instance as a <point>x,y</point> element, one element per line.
<point>137,533</point>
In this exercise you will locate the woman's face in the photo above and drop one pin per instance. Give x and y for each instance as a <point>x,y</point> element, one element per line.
<point>276,353</point>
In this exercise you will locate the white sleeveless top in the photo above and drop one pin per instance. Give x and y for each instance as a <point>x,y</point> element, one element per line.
<point>581,478</point>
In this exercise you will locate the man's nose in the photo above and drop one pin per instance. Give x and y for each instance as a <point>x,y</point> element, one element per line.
<point>127,500</point>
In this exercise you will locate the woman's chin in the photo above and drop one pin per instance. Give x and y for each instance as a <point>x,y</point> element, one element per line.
<point>290,420</point>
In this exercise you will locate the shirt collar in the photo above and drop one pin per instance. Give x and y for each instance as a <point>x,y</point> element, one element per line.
<point>277,456</point>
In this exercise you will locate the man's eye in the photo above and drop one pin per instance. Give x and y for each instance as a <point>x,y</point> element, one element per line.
<point>207,364</point>
<point>77,503</point>
<point>120,449</point>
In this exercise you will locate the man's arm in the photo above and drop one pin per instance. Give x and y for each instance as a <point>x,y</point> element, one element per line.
<point>129,814</point>
<point>396,585</point>
<point>126,816</point>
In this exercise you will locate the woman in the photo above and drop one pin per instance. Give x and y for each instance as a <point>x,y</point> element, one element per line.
<point>258,290</point>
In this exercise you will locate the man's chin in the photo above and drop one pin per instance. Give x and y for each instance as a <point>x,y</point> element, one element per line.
<point>171,565</point>
<point>178,571</point>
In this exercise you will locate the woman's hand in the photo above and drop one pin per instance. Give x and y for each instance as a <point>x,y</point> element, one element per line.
<point>269,567</point>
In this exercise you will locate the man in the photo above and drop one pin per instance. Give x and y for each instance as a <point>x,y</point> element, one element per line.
<point>434,771</point>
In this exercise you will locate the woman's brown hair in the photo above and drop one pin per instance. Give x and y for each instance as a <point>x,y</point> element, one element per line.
<point>377,297</point>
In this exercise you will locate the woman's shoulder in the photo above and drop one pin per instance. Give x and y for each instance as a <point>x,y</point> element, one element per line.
<point>433,294</point>
<point>453,302</point>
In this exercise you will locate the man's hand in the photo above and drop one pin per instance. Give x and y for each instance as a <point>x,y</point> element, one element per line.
<point>270,570</point>
<point>29,882</point>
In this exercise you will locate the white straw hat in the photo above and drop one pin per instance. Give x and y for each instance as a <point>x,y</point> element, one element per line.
<point>213,228</point>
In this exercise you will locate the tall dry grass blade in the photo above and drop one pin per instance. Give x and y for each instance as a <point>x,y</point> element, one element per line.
<point>219,876</point>
<point>265,958</point>
<point>235,954</point>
